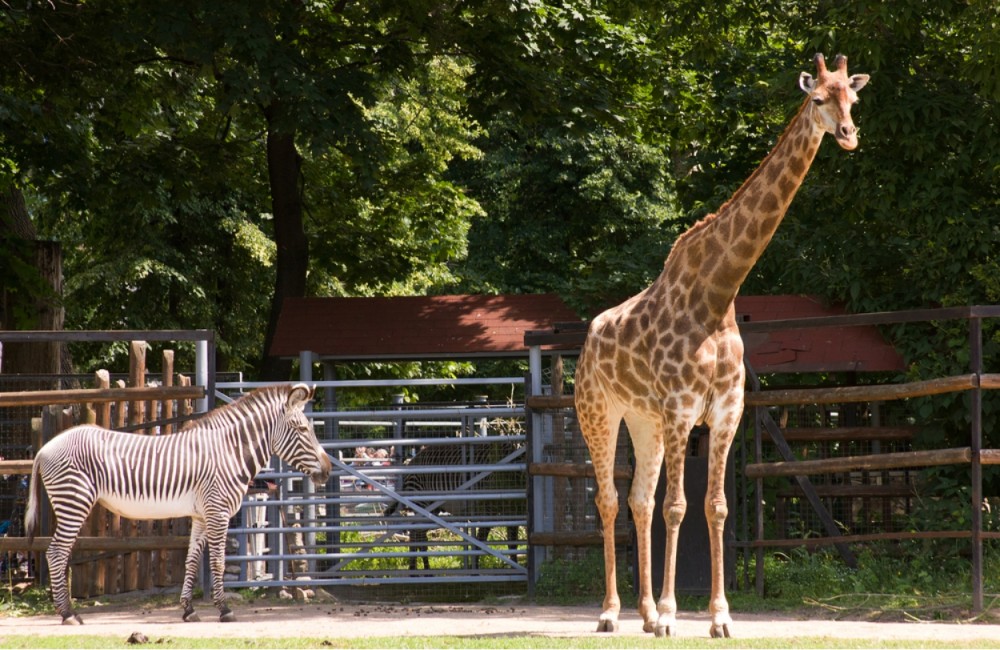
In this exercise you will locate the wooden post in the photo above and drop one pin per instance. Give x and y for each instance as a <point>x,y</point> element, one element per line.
<point>168,380</point>
<point>137,379</point>
<point>137,565</point>
<point>101,517</point>
<point>163,558</point>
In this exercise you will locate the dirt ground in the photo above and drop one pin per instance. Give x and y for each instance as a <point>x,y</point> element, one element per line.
<point>332,619</point>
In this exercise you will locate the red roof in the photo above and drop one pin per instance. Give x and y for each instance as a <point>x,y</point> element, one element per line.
<point>415,327</point>
<point>827,349</point>
<point>466,326</point>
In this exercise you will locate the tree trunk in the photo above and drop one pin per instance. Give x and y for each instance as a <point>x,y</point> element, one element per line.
<point>283,167</point>
<point>31,291</point>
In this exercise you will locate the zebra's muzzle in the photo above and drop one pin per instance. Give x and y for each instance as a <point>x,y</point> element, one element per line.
<point>321,475</point>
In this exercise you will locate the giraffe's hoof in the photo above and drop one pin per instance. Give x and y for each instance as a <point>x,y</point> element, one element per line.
<point>648,626</point>
<point>227,616</point>
<point>720,631</point>
<point>72,619</point>
<point>661,631</point>
<point>607,625</point>
<point>191,616</point>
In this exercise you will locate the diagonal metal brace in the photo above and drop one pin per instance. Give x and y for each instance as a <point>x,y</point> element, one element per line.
<point>409,503</point>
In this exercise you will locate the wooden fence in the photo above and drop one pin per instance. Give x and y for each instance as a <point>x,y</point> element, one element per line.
<point>567,337</point>
<point>113,554</point>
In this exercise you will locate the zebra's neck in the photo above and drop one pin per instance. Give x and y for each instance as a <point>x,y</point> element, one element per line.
<point>247,424</point>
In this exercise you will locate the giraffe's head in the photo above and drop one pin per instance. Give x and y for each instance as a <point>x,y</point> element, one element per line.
<point>833,93</point>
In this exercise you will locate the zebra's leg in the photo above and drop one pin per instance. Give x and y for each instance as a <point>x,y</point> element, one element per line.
<point>483,535</point>
<point>216,533</point>
<point>418,536</point>
<point>60,548</point>
<point>195,546</point>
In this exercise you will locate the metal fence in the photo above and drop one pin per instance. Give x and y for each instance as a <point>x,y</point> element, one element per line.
<point>386,517</point>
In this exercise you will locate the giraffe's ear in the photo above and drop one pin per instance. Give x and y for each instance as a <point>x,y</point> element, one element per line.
<point>858,82</point>
<point>807,83</point>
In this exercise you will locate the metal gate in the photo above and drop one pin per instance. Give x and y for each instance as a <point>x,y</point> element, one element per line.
<point>418,495</point>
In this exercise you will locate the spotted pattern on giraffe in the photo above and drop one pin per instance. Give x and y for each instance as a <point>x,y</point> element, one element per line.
<point>670,357</point>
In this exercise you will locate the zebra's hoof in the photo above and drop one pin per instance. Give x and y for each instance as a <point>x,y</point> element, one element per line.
<point>227,616</point>
<point>191,616</point>
<point>72,619</point>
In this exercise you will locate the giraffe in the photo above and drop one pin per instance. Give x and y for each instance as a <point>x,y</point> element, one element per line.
<point>671,357</point>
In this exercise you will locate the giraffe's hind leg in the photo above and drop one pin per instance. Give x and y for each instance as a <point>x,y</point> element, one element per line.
<point>600,431</point>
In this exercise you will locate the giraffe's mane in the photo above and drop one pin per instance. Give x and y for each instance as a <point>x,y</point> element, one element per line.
<point>708,219</point>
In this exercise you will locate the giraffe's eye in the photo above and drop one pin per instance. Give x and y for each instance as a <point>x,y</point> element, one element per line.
<point>818,101</point>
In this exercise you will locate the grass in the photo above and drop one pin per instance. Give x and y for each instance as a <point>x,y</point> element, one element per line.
<point>498,642</point>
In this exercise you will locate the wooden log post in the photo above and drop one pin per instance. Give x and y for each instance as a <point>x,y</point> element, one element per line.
<point>101,517</point>
<point>164,558</point>
<point>137,565</point>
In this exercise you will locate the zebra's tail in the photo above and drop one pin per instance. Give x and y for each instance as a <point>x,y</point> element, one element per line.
<point>34,497</point>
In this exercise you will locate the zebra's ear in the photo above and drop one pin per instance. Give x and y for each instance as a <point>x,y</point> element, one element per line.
<point>301,394</point>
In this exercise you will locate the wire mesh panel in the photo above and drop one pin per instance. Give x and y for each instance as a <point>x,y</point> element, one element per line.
<point>432,496</point>
<point>860,501</point>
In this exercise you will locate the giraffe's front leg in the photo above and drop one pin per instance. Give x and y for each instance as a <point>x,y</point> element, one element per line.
<point>647,440</point>
<point>723,430</point>
<point>715,513</point>
<point>674,508</point>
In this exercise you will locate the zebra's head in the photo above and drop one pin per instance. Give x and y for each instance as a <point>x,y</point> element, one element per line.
<point>294,440</point>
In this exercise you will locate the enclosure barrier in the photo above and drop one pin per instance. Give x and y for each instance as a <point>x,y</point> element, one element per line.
<point>113,554</point>
<point>973,454</point>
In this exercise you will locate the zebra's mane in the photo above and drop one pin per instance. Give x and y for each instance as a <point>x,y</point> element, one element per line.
<point>220,415</point>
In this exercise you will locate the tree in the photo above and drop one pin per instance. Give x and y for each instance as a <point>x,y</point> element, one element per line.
<point>296,85</point>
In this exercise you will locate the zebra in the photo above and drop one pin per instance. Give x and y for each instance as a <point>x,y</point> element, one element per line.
<point>455,455</point>
<point>202,471</point>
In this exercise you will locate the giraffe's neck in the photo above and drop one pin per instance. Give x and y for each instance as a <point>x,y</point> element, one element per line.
<point>710,261</point>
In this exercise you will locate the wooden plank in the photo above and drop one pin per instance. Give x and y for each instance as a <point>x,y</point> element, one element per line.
<point>989,456</point>
<point>848,434</point>
<point>866,537</point>
<point>112,544</point>
<point>83,395</point>
<point>16,466</point>
<point>854,491</point>
<point>874,393</point>
<point>990,381</point>
<point>32,336</point>
<point>896,460</point>
<point>573,470</point>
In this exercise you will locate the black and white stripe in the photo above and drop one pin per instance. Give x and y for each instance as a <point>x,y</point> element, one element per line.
<point>202,472</point>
